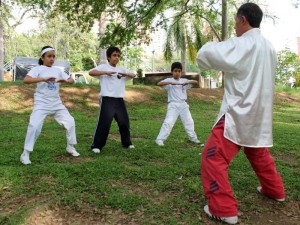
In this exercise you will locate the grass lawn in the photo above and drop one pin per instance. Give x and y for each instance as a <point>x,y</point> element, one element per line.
<point>146,185</point>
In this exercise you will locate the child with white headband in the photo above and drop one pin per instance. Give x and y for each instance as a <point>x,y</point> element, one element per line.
<point>47,102</point>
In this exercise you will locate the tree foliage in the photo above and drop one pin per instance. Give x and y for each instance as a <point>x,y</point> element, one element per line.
<point>131,20</point>
<point>288,66</point>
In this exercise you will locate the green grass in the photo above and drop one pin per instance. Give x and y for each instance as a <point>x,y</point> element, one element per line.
<point>161,184</point>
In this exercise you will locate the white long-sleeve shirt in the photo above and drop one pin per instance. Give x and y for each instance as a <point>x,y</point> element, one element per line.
<point>249,63</point>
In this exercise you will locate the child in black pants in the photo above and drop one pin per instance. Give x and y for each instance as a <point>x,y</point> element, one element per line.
<point>112,81</point>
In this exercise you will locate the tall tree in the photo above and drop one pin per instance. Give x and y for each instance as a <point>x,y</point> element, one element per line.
<point>185,37</point>
<point>6,7</point>
<point>1,43</point>
<point>224,27</point>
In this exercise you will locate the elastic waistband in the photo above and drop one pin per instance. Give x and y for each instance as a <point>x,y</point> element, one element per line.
<point>183,101</point>
<point>112,97</point>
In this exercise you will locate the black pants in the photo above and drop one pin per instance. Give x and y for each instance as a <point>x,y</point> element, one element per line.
<point>112,108</point>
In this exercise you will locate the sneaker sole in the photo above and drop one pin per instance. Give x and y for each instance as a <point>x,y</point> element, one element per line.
<point>276,199</point>
<point>222,219</point>
<point>25,163</point>
<point>96,152</point>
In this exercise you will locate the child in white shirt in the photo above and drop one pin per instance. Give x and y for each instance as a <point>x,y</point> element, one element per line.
<point>47,102</point>
<point>112,105</point>
<point>177,106</point>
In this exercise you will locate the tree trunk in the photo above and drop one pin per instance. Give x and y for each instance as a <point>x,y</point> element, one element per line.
<point>1,49</point>
<point>224,27</point>
<point>183,54</point>
<point>102,27</point>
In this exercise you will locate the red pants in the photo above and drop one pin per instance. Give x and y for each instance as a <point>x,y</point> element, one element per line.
<point>216,157</point>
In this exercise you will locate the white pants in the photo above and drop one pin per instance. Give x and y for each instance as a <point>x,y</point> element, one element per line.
<point>37,117</point>
<point>176,109</point>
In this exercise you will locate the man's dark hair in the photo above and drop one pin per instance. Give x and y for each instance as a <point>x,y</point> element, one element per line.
<point>40,60</point>
<point>112,49</point>
<point>176,65</point>
<point>252,12</point>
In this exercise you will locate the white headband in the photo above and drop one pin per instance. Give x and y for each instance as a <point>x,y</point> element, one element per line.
<point>47,50</point>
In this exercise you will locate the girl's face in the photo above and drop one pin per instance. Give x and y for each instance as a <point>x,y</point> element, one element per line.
<point>48,58</point>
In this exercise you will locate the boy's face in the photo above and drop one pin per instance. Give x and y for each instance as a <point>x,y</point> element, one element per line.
<point>176,73</point>
<point>114,58</point>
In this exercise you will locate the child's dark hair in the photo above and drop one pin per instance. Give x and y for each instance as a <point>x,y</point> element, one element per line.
<point>176,65</point>
<point>40,60</point>
<point>252,12</point>
<point>112,49</point>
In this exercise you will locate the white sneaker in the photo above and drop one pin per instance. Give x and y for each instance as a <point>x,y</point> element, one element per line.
<point>277,199</point>
<point>96,150</point>
<point>159,143</point>
<point>196,141</point>
<point>25,158</point>
<point>72,151</point>
<point>131,146</point>
<point>229,220</point>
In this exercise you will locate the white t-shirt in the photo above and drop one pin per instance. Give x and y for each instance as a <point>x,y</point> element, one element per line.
<point>112,86</point>
<point>47,95</point>
<point>177,93</point>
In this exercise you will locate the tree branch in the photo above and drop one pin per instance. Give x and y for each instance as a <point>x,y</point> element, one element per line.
<point>144,16</point>
<point>212,27</point>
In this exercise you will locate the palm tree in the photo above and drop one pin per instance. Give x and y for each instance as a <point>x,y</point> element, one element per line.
<point>184,37</point>
<point>188,31</point>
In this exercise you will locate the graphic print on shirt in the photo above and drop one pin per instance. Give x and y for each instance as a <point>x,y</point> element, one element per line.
<point>52,86</point>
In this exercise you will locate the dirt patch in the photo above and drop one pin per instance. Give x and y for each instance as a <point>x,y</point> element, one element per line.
<point>67,158</point>
<point>286,98</point>
<point>208,95</point>
<point>20,98</point>
<point>286,157</point>
<point>268,211</point>
<point>44,215</point>
<point>136,96</point>
<point>16,98</point>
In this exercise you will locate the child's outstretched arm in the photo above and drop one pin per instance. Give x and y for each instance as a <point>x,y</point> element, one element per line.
<point>190,82</point>
<point>70,80</point>
<point>130,75</point>
<point>30,80</point>
<point>161,83</point>
<point>97,73</point>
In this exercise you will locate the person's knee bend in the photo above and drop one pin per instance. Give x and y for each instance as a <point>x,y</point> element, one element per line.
<point>70,122</point>
<point>35,126</point>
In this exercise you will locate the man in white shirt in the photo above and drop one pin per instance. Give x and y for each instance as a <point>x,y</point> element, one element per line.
<point>112,105</point>
<point>245,118</point>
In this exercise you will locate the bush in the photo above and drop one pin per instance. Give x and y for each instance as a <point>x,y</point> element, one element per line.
<point>297,83</point>
<point>139,73</point>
